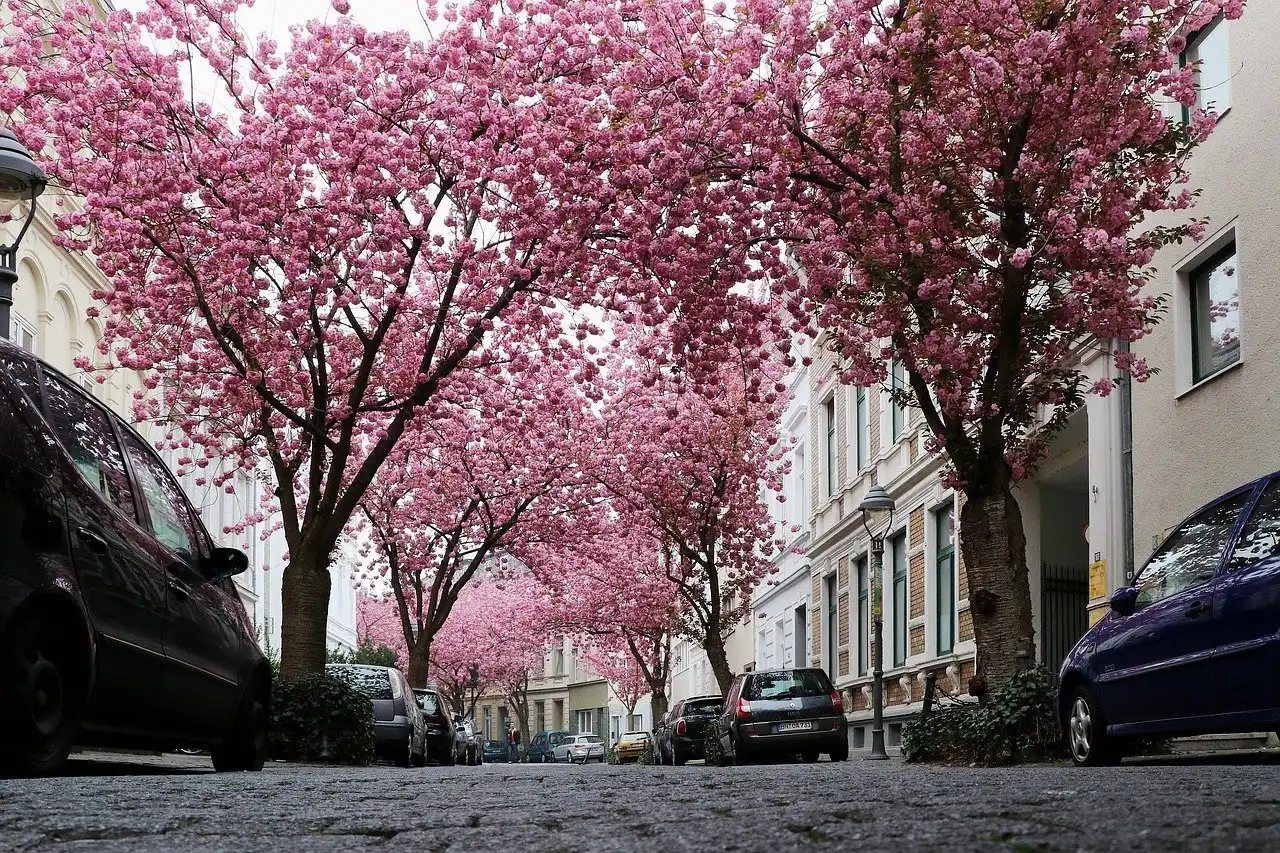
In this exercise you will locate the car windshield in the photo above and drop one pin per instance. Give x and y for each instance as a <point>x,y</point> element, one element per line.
<point>789,684</point>
<point>703,706</point>
<point>429,703</point>
<point>636,736</point>
<point>371,681</point>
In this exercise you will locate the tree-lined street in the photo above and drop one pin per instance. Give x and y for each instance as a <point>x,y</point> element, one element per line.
<point>858,805</point>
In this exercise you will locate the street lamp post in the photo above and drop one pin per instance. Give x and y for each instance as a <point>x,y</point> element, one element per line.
<point>21,180</point>
<point>473,681</point>
<point>877,517</point>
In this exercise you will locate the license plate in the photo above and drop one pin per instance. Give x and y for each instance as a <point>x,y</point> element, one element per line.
<point>793,727</point>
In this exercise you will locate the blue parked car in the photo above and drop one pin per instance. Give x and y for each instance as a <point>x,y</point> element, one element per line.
<point>1194,645</point>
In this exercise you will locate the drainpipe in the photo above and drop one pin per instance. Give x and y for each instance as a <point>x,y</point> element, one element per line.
<point>1126,467</point>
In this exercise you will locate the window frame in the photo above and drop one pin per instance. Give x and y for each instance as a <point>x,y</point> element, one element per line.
<point>18,323</point>
<point>901,603</point>
<point>862,569</point>
<point>945,554</point>
<point>1194,281</point>
<point>1195,40</point>
<point>829,445</point>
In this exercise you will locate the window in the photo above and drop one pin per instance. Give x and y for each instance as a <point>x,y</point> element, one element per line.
<point>1191,555</point>
<point>1215,314</point>
<point>833,626</point>
<point>864,613</point>
<point>374,682</point>
<point>22,333</point>
<point>945,574</point>
<point>85,431</point>
<point>860,435</point>
<point>829,448</point>
<point>170,516</point>
<point>557,662</point>
<point>584,725</point>
<point>802,485</point>
<point>897,387</point>
<point>1261,535</point>
<point>788,684</point>
<point>898,550</point>
<point>1207,51</point>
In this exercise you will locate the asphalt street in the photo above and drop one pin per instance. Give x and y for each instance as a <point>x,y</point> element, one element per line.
<point>175,803</point>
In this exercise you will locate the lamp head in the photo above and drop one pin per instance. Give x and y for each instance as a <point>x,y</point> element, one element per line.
<point>877,510</point>
<point>21,180</point>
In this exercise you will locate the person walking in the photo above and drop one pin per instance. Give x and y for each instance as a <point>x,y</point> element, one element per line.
<point>513,743</point>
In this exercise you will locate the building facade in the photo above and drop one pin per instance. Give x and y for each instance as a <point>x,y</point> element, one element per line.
<point>1205,423</point>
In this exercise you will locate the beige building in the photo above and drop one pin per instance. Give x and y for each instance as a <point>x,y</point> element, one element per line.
<point>1207,421</point>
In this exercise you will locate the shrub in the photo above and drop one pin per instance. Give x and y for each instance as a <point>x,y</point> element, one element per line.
<point>1018,724</point>
<point>321,718</point>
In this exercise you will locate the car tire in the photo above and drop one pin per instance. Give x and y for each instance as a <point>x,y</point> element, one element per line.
<point>810,757</point>
<point>404,757</point>
<point>1085,731</point>
<point>40,698</point>
<point>840,752</point>
<point>245,749</point>
<point>678,758</point>
<point>420,760</point>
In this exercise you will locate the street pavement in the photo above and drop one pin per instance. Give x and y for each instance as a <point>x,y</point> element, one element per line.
<point>174,803</point>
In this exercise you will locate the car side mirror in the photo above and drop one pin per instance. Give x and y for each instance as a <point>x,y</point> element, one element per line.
<point>1124,600</point>
<point>225,563</point>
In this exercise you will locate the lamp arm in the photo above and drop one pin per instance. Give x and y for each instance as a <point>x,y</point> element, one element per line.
<point>12,249</point>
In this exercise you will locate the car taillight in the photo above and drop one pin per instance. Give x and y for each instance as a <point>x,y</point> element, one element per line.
<point>681,728</point>
<point>744,708</point>
<point>397,688</point>
<point>838,701</point>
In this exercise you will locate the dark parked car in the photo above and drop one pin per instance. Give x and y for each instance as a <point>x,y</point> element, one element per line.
<point>445,744</point>
<point>779,712</point>
<point>1191,647</point>
<point>496,751</point>
<point>397,721</point>
<point>543,744</point>
<point>119,622</point>
<point>682,734</point>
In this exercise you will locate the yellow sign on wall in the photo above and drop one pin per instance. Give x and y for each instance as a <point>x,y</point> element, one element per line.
<point>1097,580</point>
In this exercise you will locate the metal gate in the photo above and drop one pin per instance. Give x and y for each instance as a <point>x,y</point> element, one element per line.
<point>1064,610</point>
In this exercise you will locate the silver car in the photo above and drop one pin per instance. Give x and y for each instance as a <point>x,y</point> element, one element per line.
<point>580,749</point>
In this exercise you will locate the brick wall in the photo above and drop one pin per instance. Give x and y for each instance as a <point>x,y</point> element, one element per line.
<point>917,640</point>
<point>842,572</point>
<point>915,584</point>
<point>966,625</point>
<point>815,621</point>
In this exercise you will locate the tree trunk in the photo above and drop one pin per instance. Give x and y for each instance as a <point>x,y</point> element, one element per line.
<point>994,546</point>
<point>714,647</point>
<point>419,661</point>
<point>657,705</point>
<point>304,618</point>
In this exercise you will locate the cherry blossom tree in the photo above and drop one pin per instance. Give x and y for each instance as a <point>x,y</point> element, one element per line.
<point>977,190</point>
<point>307,259</point>
<point>686,470</point>
<point>491,485</point>
<point>618,667</point>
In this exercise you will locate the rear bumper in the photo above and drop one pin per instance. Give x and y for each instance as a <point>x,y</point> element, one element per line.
<point>690,746</point>
<point>392,733</point>
<point>824,732</point>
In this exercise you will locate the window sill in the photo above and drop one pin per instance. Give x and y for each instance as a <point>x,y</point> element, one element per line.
<point>1210,378</point>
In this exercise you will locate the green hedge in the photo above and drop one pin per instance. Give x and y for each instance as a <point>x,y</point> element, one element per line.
<point>1018,724</point>
<point>321,718</point>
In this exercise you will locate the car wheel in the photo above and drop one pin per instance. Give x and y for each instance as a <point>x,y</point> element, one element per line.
<point>420,760</point>
<point>41,698</point>
<point>810,757</point>
<point>1086,731</point>
<point>840,752</point>
<point>405,757</point>
<point>678,758</point>
<point>246,747</point>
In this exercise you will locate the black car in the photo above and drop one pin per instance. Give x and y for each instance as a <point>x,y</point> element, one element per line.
<point>397,722</point>
<point>119,623</point>
<point>684,730</point>
<point>444,744</point>
<point>776,713</point>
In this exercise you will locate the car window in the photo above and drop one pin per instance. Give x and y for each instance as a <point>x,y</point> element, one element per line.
<point>170,516</point>
<point>85,431</point>
<point>1191,555</point>
<point>704,706</point>
<point>792,684</point>
<point>374,683</point>
<point>589,739</point>
<point>428,703</point>
<point>24,373</point>
<point>1261,535</point>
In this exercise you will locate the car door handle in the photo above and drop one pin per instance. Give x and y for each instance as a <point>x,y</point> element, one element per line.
<point>1196,610</point>
<point>93,540</point>
<point>180,589</point>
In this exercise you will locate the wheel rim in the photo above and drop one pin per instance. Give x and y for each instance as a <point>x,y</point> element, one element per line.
<point>40,685</point>
<point>1081,729</point>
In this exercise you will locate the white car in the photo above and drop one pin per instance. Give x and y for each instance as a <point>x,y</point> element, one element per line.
<point>580,749</point>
